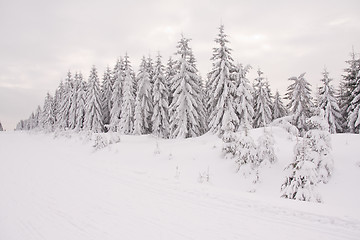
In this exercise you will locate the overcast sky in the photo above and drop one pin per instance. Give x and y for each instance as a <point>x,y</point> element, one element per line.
<point>41,40</point>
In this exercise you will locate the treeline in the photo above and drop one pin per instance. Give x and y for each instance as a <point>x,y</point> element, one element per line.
<point>173,101</point>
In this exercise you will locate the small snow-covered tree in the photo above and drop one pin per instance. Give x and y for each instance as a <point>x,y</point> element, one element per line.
<point>58,96</point>
<point>302,177</point>
<point>93,115</point>
<point>300,104</point>
<point>327,102</point>
<point>1,127</point>
<point>246,157</point>
<point>221,86</point>
<point>266,151</point>
<point>160,117</point>
<point>143,102</point>
<point>126,123</point>
<point>262,102</point>
<point>244,98</point>
<point>187,111</point>
<point>319,140</point>
<point>229,139</point>
<point>279,110</point>
<point>106,94</point>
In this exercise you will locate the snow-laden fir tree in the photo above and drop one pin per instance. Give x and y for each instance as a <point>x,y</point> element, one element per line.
<point>327,102</point>
<point>58,96</point>
<point>48,114</point>
<point>160,117</point>
<point>187,110</point>
<point>301,175</point>
<point>93,115</point>
<point>266,151</point>
<point>348,85</point>
<point>106,94</point>
<point>229,137</point>
<point>246,157</point>
<point>262,102</point>
<point>300,104</point>
<point>126,123</point>
<point>66,102</point>
<point>244,98</point>
<point>170,72</point>
<point>143,102</point>
<point>74,100</point>
<point>117,93</point>
<point>149,66</point>
<point>319,140</point>
<point>81,99</point>
<point>354,114</point>
<point>1,127</point>
<point>221,86</point>
<point>279,109</point>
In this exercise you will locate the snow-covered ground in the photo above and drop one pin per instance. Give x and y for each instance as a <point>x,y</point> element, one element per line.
<point>145,188</point>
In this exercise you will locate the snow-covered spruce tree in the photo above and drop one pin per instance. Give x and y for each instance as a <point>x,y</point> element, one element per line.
<point>262,102</point>
<point>348,85</point>
<point>93,116</point>
<point>170,72</point>
<point>126,123</point>
<point>58,96</point>
<point>265,151</point>
<point>221,87</point>
<point>229,138</point>
<point>354,114</point>
<point>66,102</point>
<point>187,110</point>
<point>302,177</point>
<point>246,157</point>
<point>149,66</point>
<point>319,140</point>
<point>74,100</point>
<point>1,127</point>
<point>48,114</point>
<point>160,117</point>
<point>143,102</point>
<point>244,98</point>
<point>327,102</point>
<point>81,99</point>
<point>106,94</point>
<point>116,98</point>
<point>300,104</point>
<point>279,110</point>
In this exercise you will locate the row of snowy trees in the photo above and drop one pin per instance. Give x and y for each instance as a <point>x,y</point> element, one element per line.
<point>173,101</point>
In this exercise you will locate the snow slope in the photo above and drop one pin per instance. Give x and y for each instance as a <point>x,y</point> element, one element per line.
<point>144,188</point>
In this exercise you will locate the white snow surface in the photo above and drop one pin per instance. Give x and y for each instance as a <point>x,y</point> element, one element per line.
<point>148,188</point>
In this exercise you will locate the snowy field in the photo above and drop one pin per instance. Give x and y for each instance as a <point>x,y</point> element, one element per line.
<point>144,188</point>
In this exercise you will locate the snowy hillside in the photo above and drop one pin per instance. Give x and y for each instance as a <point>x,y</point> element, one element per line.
<point>147,188</point>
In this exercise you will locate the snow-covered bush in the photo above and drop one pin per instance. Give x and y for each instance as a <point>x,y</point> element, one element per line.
<point>286,123</point>
<point>100,142</point>
<point>204,177</point>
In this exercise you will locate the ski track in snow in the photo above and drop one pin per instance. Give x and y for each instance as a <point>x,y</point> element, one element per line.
<point>57,194</point>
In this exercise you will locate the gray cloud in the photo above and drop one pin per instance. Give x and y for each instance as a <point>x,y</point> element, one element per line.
<point>42,40</point>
